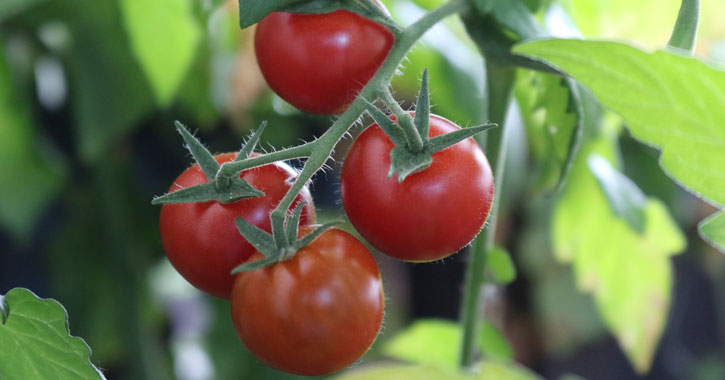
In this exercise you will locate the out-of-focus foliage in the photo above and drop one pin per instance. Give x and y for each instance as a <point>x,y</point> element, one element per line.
<point>164,36</point>
<point>28,173</point>
<point>89,91</point>
<point>628,273</point>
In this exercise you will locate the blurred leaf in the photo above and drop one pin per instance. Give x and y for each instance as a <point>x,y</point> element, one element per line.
<point>712,229</point>
<point>500,266</point>
<point>622,19</point>
<point>494,343</point>
<point>505,371</point>
<point>427,341</point>
<point>629,274</point>
<point>110,94</point>
<point>29,181</point>
<point>489,370</point>
<point>397,372</point>
<point>672,102</point>
<point>36,343</point>
<point>437,342</point>
<point>454,68</point>
<point>625,198</point>
<point>9,8</point>
<point>164,36</point>
<point>514,15</point>
<point>552,124</point>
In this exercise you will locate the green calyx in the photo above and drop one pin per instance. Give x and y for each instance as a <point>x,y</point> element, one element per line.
<point>283,244</point>
<point>223,189</point>
<point>413,151</point>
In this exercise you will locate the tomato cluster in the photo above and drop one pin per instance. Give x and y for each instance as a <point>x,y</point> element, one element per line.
<point>319,310</point>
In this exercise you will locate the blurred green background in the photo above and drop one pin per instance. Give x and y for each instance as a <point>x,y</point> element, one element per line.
<point>89,91</point>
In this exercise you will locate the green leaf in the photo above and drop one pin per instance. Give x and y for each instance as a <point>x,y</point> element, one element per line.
<point>505,371</point>
<point>712,230</point>
<point>629,274</point>
<point>625,198</point>
<point>672,102</point>
<point>500,266</point>
<point>622,19</point>
<point>164,36</point>
<point>552,113</point>
<point>398,372</point>
<point>29,180</point>
<point>36,343</point>
<point>427,341</point>
<point>489,370</point>
<point>494,343</point>
<point>669,101</point>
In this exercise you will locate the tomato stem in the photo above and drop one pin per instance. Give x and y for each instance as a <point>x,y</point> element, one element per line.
<point>320,149</point>
<point>500,81</point>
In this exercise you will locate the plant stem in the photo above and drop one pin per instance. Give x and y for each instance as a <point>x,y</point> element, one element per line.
<point>684,33</point>
<point>320,149</point>
<point>500,81</point>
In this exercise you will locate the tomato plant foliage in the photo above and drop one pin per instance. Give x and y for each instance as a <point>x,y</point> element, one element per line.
<point>306,298</point>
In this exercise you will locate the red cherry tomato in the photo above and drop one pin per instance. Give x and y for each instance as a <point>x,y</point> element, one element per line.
<point>201,239</point>
<point>313,314</point>
<point>432,213</point>
<point>319,62</point>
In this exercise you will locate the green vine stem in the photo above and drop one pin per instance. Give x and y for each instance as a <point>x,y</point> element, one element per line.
<point>684,34</point>
<point>319,150</point>
<point>500,80</point>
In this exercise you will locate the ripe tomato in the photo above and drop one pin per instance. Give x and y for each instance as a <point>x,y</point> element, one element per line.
<point>319,62</point>
<point>201,239</point>
<point>313,314</point>
<point>432,213</point>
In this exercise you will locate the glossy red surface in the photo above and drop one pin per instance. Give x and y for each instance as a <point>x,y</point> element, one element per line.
<point>431,214</point>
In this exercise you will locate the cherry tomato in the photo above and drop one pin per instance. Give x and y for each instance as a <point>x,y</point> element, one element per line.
<point>319,62</point>
<point>432,213</point>
<point>201,239</point>
<point>313,314</point>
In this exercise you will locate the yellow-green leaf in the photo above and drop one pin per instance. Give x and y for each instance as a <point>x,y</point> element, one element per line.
<point>164,37</point>
<point>629,274</point>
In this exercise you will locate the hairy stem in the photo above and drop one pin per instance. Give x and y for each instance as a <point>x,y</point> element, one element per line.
<point>320,149</point>
<point>500,81</point>
<point>685,32</point>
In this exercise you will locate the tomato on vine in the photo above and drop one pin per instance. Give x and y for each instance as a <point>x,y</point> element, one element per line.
<point>315,313</point>
<point>431,214</point>
<point>201,240</point>
<point>319,62</point>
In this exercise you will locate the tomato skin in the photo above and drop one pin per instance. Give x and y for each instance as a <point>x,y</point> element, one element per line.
<point>319,62</point>
<point>201,240</point>
<point>313,314</point>
<point>431,214</point>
